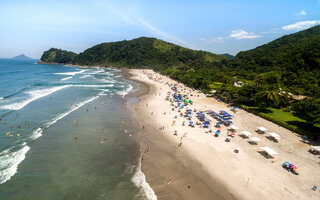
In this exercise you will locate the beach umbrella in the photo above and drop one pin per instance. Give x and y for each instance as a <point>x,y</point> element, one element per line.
<point>217,132</point>
<point>219,123</point>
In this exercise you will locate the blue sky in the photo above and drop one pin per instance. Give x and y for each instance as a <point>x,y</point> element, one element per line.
<point>229,26</point>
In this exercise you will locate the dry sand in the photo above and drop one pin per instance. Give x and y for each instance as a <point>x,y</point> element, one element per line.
<point>209,163</point>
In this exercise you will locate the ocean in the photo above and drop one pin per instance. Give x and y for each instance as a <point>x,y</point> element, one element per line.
<point>65,133</point>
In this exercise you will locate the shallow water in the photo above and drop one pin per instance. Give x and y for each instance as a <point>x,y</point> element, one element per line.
<point>54,157</point>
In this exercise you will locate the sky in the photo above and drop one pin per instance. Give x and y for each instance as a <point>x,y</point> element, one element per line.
<point>229,26</point>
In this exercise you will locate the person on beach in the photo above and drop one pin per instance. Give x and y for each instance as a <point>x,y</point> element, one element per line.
<point>169,181</point>
<point>189,185</point>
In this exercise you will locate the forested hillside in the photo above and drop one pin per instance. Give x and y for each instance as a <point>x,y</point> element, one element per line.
<point>143,52</point>
<point>54,55</point>
<point>295,57</point>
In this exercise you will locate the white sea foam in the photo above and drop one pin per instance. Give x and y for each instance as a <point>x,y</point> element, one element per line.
<point>106,80</point>
<point>73,108</point>
<point>85,76</point>
<point>95,72</point>
<point>125,92</point>
<point>139,179</point>
<point>1,98</point>
<point>34,95</point>
<point>9,163</point>
<point>97,86</point>
<point>71,73</point>
<point>36,134</point>
<point>64,79</point>
<point>104,90</point>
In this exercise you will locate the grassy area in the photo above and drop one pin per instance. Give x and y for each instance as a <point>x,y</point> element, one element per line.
<point>287,120</point>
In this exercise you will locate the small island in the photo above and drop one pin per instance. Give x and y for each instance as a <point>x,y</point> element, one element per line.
<point>22,57</point>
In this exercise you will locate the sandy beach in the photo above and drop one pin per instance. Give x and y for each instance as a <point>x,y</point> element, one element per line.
<point>201,166</point>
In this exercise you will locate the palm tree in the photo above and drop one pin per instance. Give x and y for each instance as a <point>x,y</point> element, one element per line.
<point>268,96</point>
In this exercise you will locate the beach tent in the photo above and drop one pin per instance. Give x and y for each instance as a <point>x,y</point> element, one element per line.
<point>268,152</point>
<point>254,140</point>
<point>233,128</point>
<point>315,149</point>
<point>261,129</point>
<point>274,136</point>
<point>245,134</point>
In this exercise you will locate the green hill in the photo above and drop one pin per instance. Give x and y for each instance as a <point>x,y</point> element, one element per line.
<point>295,57</point>
<point>229,56</point>
<point>291,52</point>
<point>59,56</point>
<point>142,52</point>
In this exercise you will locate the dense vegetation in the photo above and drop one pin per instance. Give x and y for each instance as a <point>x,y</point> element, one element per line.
<point>295,57</point>
<point>143,53</point>
<point>266,79</point>
<point>58,56</point>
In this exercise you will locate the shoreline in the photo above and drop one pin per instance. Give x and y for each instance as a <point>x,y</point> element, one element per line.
<point>246,175</point>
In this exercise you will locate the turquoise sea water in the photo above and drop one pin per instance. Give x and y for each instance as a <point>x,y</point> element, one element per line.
<point>61,136</point>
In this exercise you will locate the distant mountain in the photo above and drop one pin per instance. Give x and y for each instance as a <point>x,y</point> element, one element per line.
<point>142,52</point>
<point>229,56</point>
<point>22,57</point>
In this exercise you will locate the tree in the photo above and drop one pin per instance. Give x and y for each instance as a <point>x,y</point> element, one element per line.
<point>308,109</point>
<point>270,97</point>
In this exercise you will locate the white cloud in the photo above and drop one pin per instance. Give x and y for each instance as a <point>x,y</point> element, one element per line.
<point>302,12</point>
<point>160,33</point>
<point>241,34</point>
<point>211,40</point>
<point>301,25</point>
